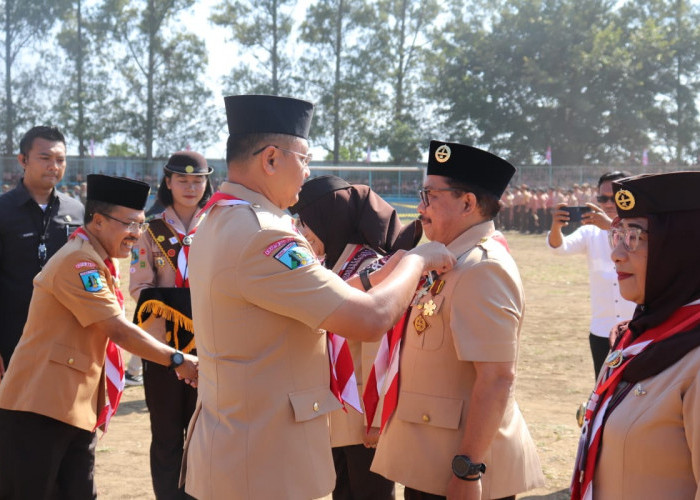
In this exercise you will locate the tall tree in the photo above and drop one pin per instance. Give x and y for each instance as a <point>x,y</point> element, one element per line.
<point>264,27</point>
<point>23,24</point>
<point>341,76</point>
<point>165,104</point>
<point>401,34</point>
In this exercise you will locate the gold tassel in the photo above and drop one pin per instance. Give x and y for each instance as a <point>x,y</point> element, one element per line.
<point>162,310</point>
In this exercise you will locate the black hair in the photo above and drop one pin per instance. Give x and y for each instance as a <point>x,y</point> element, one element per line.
<point>165,195</point>
<point>612,176</point>
<point>93,207</point>
<point>48,133</point>
<point>489,205</point>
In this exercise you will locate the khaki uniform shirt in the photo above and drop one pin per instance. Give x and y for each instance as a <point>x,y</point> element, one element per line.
<point>476,317</point>
<point>151,268</point>
<point>349,428</point>
<point>258,297</point>
<point>58,367</point>
<point>651,441</point>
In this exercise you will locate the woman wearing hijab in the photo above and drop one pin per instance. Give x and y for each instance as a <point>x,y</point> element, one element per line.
<point>641,433</point>
<point>160,284</point>
<point>351,228</point>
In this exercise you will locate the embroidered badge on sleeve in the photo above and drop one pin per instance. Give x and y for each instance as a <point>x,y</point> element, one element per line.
<point>92,282</point>
<point>294,256</point>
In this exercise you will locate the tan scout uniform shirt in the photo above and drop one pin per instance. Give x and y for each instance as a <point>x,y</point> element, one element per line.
<point>477,318</point>
<point>651,441</point>
<point>348,428</point>
<point>58,367</point>
<point>258,296</point>
<point>151,268</point>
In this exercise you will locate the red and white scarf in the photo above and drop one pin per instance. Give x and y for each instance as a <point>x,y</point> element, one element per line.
<point>383,379</point>
<point>114,365</point>
<point>599,405</point>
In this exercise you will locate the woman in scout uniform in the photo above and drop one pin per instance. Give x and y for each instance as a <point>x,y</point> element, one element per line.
<point>641,433</point>
<point>160,284</point>
<point>352,227</point>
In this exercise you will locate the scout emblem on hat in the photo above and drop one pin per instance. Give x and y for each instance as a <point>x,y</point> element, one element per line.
<point>442,153</point>
<point>624,200</point>
<point>470,165</point>
<point>188,162</point>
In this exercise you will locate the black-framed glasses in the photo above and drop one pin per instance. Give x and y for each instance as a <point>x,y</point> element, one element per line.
<point>305,158</point>
<point>131,226</point>
<point>425,193</point>
<point>629,236</point>
<point>605,199</point>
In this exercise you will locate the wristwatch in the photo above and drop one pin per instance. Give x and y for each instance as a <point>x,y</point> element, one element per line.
<point>464,468</point>
<point>364,278</point>
<point>176,359</point>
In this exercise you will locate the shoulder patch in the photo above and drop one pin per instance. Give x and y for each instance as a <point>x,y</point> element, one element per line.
<point>294,256</point>
<point>277,244</point>
<point>92,282</point>
<point>86,264</point>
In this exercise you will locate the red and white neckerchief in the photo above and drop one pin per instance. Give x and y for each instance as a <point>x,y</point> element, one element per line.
<point>182,279</point>
<point>590,442</point>
<point>114,365</point>
<point>343,380</point>
<point>383,379</point>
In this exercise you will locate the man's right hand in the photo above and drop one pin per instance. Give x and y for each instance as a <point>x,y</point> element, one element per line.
<point>188,370</point>
<point>560,218</point>
<point>436,257</point>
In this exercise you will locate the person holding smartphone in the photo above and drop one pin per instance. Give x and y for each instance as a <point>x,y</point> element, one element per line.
<point>607,305</point>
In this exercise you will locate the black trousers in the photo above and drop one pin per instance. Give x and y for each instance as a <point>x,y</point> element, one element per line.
<point>600,346</point>
<point>411,494</point>
<point>170,403</point>
<point>45,459</point>
<point>354,480</point>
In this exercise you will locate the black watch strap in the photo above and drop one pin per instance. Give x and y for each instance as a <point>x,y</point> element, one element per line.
<point>364,278</point>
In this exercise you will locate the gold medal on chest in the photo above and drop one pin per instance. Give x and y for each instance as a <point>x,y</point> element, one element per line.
<point>420,324</point>
<point>160,261</point>
<point>614,359</point>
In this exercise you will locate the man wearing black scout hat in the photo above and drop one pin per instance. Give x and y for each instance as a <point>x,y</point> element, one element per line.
<point>66,377</point>
<point>460,347</point>
<point>259,296</point>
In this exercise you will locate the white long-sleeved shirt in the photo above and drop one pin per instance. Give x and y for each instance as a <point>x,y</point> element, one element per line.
<point>608,308</point>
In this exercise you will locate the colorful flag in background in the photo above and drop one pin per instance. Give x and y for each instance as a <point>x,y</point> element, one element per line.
<point>548,155</point>
<point>368,158</point>
<point>645,157</point>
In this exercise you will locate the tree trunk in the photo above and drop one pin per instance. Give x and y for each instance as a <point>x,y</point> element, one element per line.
<point>9,109</point>
<point>149,78</point>
<point>336,85</point>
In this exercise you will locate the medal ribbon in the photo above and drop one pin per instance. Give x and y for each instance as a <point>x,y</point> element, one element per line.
<point>596,409</point>
<point>114,365</point>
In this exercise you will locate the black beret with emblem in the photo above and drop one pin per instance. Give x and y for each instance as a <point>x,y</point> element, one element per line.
<point>121,191</point>
<point>188,162</point>
<point>470,165</point>
<point>268,114</point>
<point>641,195</point>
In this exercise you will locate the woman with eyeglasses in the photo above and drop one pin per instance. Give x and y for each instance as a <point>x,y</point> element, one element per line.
<point>608,308</point>
<point>350,227</point>
<point>641,433</point>
<point>160,284</point>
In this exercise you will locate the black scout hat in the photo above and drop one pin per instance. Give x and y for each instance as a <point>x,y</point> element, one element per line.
<point>315,188</point>
<point>641,195</point>
<point>187,162</point>
<point>470,165</point>
<point>267,114</point>
<point>117,191</point>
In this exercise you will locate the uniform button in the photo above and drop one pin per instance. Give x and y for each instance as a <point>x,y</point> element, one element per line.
<point>426,418</point>
<point>71,361</point>
<point>316,406</point>
<point>256,205</point>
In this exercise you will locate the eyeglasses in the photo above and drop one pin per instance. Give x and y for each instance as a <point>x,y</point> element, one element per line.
<point>605,199</point>
<point>425,193</point>
<point>629,236</point>
<point>305,158</point>
<point>131,226</point>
